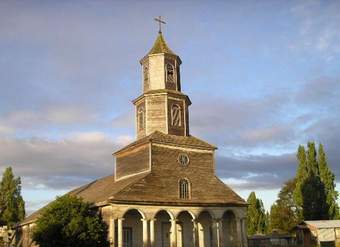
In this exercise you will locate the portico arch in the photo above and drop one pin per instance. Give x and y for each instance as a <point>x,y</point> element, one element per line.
<point>204,225</point>
<point>185,229</point>
<point>141,213</point>
<point>163,228</point>
<point>229,229</point>
<point>132,232</point>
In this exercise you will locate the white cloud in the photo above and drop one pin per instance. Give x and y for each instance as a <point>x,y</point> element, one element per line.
<point>319,27</point>
<point>45,117</point>
<point>88,137</point>
<point>64,163</point>
<point>5,130</point>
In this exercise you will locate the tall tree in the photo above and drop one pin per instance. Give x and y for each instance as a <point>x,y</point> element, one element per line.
<point>12,205</point>
<point>328,179</point>
<point>301,175</point>
<point>315,206</point>
<point>312,162</point>
<point>283,213</point>
<point>256,216</point>
<point>311,193</point>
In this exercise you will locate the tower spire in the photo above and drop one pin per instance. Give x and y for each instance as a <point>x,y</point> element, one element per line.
<point>160,22</point>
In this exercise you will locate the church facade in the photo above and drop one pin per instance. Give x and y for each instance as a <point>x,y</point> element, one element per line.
<point>164,191</point>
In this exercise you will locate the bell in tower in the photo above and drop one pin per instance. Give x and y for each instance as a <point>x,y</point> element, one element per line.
<point>162,106</point>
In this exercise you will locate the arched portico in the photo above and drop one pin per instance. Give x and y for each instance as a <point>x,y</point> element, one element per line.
<point>185,229</point>
<point>204,224</point>
<point>177,227</point>
<point>229,229</point>
<point>162,230</point>
<point>132,230</point>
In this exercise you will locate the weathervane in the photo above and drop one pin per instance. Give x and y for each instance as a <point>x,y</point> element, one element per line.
<point>160,22</point>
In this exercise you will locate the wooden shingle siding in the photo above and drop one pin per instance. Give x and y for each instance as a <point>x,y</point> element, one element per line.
<point>155,115</point>
<point>161,185</point>
<point>132,162</point>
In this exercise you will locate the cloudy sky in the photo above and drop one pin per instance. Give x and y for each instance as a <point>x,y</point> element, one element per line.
<point>263,76</point>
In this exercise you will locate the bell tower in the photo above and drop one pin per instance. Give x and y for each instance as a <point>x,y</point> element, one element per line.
<point>162,106</point>
<point>161,67</point>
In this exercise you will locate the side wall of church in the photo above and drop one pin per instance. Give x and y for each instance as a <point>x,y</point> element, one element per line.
<point>133,161</point>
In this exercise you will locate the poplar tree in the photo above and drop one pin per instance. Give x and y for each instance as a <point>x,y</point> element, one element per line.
<point>315,188</point>
<point>328,179</point>
<point>301,175</point>
<point>314,205</point>
<point>312,163</point>
<point>252,214</point>
<point>12,205</point>
<point>257,222</point>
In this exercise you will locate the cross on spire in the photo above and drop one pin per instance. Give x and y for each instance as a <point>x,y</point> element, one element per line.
<point>160,22</point>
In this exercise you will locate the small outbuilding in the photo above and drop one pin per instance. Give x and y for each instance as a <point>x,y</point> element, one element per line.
<point>274,239</point>
<point>323,233</point>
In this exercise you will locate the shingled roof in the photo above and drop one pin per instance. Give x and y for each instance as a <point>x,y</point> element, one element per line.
<point>95,192</point>
<point>148,189</point>
<point>161,138</point>
<point>160,46</point>
<point>151,188</point>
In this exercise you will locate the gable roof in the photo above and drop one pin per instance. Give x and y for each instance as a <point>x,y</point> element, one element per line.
<point>161,138</point>
<point>323,223</point>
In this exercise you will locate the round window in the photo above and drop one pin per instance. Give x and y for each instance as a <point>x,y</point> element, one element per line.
<point>183,159</point>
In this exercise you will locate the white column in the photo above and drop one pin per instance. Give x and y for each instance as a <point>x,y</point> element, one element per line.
<point>173,233</point>
<point>112,232</point>
<point>201,234</point>
<point>217,233</point>
<point>244,232</point>
<point>195,233</point>
<point>220,233</point>
<point>179,235</point>
<point>152,233</point>
<point>145,232</point>
<point>120,232</point>
<point>239,232</point>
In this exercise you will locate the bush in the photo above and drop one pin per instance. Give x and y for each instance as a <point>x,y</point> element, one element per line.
<point>70,222</point>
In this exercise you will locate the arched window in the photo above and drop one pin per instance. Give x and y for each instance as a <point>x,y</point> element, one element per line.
<point>170,73</point>
<point>146,73</point>
<point>176,115</point>
<point>184,189</point>
<point>141,118</point>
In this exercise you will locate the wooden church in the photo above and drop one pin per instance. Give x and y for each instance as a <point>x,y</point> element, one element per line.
<point>164,191</point>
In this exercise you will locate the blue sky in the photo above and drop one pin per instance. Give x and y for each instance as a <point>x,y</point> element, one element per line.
<point>263,77</point>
